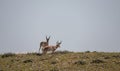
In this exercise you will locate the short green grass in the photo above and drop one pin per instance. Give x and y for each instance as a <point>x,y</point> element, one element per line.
<point>61,61</point>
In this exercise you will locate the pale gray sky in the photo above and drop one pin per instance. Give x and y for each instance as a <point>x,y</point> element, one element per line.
<point>82,25</point>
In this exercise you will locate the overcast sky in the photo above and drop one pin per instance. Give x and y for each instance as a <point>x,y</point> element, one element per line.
<point>81,25</point>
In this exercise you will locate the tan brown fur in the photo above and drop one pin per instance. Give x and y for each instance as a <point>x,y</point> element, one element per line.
<point>51,48</point>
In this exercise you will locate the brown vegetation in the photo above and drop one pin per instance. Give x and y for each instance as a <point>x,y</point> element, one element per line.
<point>61,61</point>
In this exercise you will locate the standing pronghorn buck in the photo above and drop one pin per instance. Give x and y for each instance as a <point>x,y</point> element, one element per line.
<point>44,43</point>
<point>51,48</point>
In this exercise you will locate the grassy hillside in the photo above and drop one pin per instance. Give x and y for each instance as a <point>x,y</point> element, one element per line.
<point>61,61</point>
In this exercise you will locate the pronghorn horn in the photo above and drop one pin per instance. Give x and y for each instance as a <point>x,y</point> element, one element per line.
<point>57,42</point>
<point>49,37</point>
<point>46,37</point>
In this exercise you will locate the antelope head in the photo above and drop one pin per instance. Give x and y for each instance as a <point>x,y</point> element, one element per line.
<point>58,43</point>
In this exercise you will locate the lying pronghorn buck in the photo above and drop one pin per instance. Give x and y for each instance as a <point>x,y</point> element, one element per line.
<point>44,43</point>
<point>51,48</point>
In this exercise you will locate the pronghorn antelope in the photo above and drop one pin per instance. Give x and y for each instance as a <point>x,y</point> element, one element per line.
<point>51,48</point>
<point>44,43</point>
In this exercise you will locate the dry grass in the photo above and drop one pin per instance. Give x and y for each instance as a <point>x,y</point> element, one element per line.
<point>61,61</point>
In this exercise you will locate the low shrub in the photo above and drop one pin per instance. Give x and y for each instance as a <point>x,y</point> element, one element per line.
<point>27,61</point>
<point>38,54</point>
<point>54,69</point>
<point>80,62</point>
<point>8,55</point>
<point>106,57</point>
<point>1,70</point>
<point>87,51</point>
<point>53,62</point>
<point>62,52</point>
<point>97,61</point>
<point>116,56</point>
<point>95,51</point>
